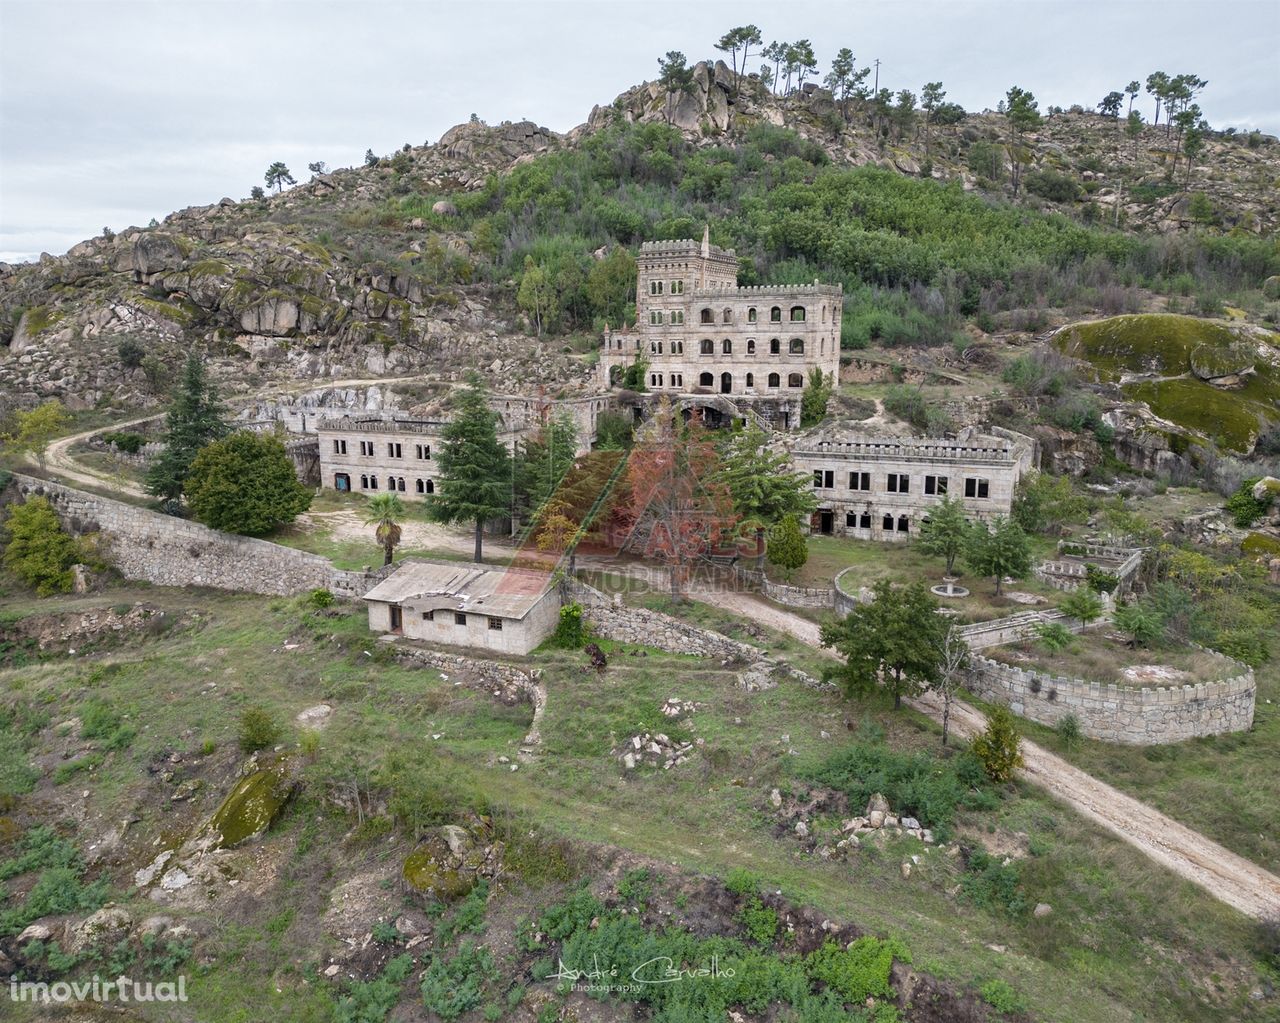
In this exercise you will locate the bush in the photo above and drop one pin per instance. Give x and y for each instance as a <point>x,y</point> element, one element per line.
<point>1053,186</point>
<point>455,985</point>
<point>915,784</point>
<point>1001,997</point>
<point>571,631</point>
<point>319,599</point>
<point>990,885</point>
<point>370,1001</point>
<point>1243,507</point>
<point>245,484</point>
<point>1068,730</point>
<point>259,729</point>
<point>39,551</point>
<point>859,972</point>
<point>759,921</point>
<point>997,746</point>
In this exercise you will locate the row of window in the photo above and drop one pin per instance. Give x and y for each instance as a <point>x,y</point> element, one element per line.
<point>900,483</point>
<point>796,314</point>
<point>726,380</point>
<point>708,347</point>
<point>459,618</point>
<point>395,484</point>
<point>862,520</point>
<point>674,287</point>
<point>657,317</point>
<point>394,449</point>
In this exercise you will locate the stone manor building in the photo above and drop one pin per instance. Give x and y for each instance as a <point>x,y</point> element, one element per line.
<point>881,488</point>
<point>699,333</point>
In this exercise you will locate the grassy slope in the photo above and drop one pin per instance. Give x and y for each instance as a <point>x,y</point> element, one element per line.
<point>1145,946</point>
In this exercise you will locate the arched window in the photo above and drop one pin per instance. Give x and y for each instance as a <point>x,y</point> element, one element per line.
<point>797,346</point>
<point>726,383</point>
<point>677,347</point>
<point>795,380</point>
<point>677,316</point>
<point>751,346</point>
<point>706,380</point>
<point>708,316</point>
<point>775,315</point>
<point>902,524</point>
<point>726,347</point>
<point>751,380</point>
<point>726,316</point>
<point>708,346</point>
<point>797,314</point>
<point>774,380</point>
<point>775,346</point>
<point>431,486</point>
<point>751,315</point>
<point>420,486</point>
<point>655,287</point>
<point>364,482</point>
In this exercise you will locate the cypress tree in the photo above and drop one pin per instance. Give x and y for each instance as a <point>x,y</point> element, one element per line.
<point>195,419</point>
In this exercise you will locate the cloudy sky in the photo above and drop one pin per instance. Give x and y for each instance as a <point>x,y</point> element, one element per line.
<point>116,111</point>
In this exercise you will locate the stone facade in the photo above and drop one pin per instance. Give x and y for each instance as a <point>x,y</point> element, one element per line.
<point>701,334</point>
<point>376,452</point>
<point>879,488</point>
<point>167,551</point>
<point>1070,570</point>
<point>1130,715</point>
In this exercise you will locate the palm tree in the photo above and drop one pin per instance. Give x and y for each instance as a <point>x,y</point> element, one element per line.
<point>384,512</point>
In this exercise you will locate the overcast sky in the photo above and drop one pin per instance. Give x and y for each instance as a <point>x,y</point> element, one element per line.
<point>116,111</point>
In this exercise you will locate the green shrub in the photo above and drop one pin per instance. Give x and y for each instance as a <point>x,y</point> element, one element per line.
<point>859,972</point>
<point>39,551</point>
<point>319,599</point>
<point>1052,186</point>
<point>259,729</point>
<point>759,921</point>
<point>915,784</point>
<point>571,631</point>
<point>1244,508</point>
<point>991,885</point>
<point>455,985</point>
<point>1001,997</point>
<point>370,1001</point>
<point>129,443</point>
<point>101,721</point>
<point>1068,730</point>
<point>17,776</point>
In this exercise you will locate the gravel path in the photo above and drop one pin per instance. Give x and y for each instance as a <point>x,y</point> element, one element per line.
<point>1228,877</point>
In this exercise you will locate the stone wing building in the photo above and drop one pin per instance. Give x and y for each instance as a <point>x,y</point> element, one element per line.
<point>698,333</point>
<point>881,488</point>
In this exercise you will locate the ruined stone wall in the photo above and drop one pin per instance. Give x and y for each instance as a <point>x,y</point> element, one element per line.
<point>167,551</point>
<point>1130,715</point>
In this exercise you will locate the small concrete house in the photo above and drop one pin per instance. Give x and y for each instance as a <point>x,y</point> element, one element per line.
<point>505,610</point>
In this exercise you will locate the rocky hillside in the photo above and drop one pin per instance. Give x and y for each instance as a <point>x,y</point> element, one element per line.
<point>372,272</point>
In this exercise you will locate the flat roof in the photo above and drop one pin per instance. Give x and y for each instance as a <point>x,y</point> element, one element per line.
<point>458,586</point>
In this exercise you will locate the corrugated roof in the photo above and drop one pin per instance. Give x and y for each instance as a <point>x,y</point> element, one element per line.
<point>434,586</point>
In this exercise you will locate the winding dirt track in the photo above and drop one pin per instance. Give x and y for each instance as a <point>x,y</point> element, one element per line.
<point>1224,875</point>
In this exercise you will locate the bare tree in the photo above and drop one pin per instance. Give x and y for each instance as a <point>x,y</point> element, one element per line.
<point>955,658</point>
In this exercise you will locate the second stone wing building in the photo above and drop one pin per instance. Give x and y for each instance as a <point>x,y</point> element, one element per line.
<point>698,332</point>
<point>881,488</point>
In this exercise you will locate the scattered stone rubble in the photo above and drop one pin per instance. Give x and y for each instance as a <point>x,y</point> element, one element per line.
<point>655,750</point>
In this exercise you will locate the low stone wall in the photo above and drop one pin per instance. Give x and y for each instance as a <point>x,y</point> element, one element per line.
<point>823,597</point>
<point>1020,626</point>
<point>167,551</point>
<point>637,625</point>
<point>1123,714</point>
<point>846,601</point>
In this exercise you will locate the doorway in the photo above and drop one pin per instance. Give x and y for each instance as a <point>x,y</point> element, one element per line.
<point>397,619</point>
<point>826,522</point>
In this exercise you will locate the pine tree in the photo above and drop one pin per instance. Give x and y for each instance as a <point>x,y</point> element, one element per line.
<point>474,484</point>
<point>997,746</point>
<point>1083,605</point>
<point>945,532</point>
<point>543,461</point>
<point>787,547</point>
<point>195,419</point>
<point>245,484</point>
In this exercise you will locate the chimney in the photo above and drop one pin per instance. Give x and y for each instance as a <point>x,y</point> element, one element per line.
<point>706,241</point>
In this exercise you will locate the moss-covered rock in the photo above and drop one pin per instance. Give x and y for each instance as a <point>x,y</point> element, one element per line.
<point>252,805</point>
<point>448,862</point>
<point>1212,362</point>
<point>1260,545</point>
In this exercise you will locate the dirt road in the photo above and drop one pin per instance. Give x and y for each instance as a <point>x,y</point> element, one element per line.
<point>1224,875</point>
<point>59,460</point>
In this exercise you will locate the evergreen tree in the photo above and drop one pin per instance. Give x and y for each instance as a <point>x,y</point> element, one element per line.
<point>245,484</point>
<point>384,512</point>
<point>999,550</point>
<point>1111,104</point>
<point>931,97</point>
<point>897,640</point>
<point>1132,90</point>
<point>278,176</point>
<point>1141,624</point>
<point>195,419</point>
<point>997,746</point>
<point>945,532</point>
<point>475,468</point>
<point>1023,115</point>
<point>841,79</point>
<point>813,402</point>
<point>543,461</point>
<point>787,548</point>
<point>537,293</point>
<point>737,40</point>
<point>1043,503</point>
<point>761,483</point>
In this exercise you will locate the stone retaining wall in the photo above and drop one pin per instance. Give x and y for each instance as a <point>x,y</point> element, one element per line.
<point>1124,714</point>
<point>167,551</point>
<point>637,625</point>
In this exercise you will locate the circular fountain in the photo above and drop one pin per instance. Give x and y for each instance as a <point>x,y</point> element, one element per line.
<point>948,588</point>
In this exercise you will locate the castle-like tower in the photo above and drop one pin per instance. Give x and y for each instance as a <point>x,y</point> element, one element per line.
<point>699,333</point>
